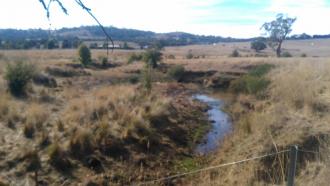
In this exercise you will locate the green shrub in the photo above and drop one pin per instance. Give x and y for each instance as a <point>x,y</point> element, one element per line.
<point>255,85</point>
<point>66,72</point>
<point>18,75</point>
<point>286,54</point>
<point>176,72</point>
<point>104,61</point>
<point>252,83</point>
<point>133,79</point>
<point>261,70</point>
<point>171,56</point>
<point>147,79</point>
<point>84,55</point>
<point>189,55</point>
<point>45,80</point>
<point>238,86</point>
<point>258,45</point>
<point>235,53</point>
<point>134,57</point>
<point>152,57</point>
<point>249,85</point>
<point>303,55</point>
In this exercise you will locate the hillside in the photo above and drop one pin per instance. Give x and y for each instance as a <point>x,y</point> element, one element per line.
<point>119,34</point>
<point>10,37</point>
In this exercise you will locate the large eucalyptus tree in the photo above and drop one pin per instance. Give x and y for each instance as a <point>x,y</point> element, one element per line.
<point>277,31</point>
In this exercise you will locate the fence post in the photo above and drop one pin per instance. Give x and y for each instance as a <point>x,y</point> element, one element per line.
<point>292,166</point>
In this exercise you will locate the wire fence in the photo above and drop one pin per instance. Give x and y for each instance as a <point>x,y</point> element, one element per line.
<point>291,173</point>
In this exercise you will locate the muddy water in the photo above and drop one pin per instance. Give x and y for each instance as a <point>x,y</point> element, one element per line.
<point>221,124</point>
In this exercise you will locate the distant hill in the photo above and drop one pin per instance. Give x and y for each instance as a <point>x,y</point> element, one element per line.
<point>38,38</point>
<point>118,34</point>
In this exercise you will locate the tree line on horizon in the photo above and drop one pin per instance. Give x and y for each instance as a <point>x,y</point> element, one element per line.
<point>72,37</point>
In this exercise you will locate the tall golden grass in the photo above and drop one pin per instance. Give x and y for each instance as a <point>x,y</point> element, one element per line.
<point>294,112</point>
<point>87,117</point>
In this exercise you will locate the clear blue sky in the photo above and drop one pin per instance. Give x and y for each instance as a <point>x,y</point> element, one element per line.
<point>235,18</point>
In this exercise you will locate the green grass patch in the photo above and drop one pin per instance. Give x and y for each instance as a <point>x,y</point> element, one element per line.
<point>252,83</point>
<point>261,70</point>
<point>187,164</point>
<point>199,132</point>
<point>176,72</point>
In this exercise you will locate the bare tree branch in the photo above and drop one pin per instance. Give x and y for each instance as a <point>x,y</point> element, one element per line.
<point>88,10</point>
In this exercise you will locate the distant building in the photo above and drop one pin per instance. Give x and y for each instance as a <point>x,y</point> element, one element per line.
<point>103,46</point>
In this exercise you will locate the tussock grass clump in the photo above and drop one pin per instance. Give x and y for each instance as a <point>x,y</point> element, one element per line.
<point>189,55</point>
<point>58,158</point>
<point>44,139</point>
<point>104,61</point>
<point>9,111</point>
<point>18,76</point>
<point>107,143</point>
<point>119,113</point>
<point>286,54</point>
<point>65,72</point>
<point>37,115</point>
<point>171,56</point>
<point>29,130</point>
<point>4,106</point>
<point>134,58</point>
<point>147,78</point>
<point>235,53</point>
<point>176,72</point>
<point>60,125</point>
<point>134,79</point>
<point>82,143</point>
<point>33,161</point>
<point>45,80</point>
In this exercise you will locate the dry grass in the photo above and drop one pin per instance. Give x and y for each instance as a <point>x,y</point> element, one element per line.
<point>82,143</point>
<point>37,115</point>
<point>123,108</point>
<point>317,48</point>
<point>302,84</point>
<point>136,136</point>
<point>9,110</point>
<point>4,105</point>
<point>295,112</point>
<point>58,158</point>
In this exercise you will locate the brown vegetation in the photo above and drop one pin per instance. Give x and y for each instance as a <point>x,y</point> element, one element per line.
<point>98,125</point>
<point>294,112</point>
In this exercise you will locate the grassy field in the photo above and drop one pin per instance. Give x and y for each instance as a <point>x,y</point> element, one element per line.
<point>312,48</point>
<point>97,125</point>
